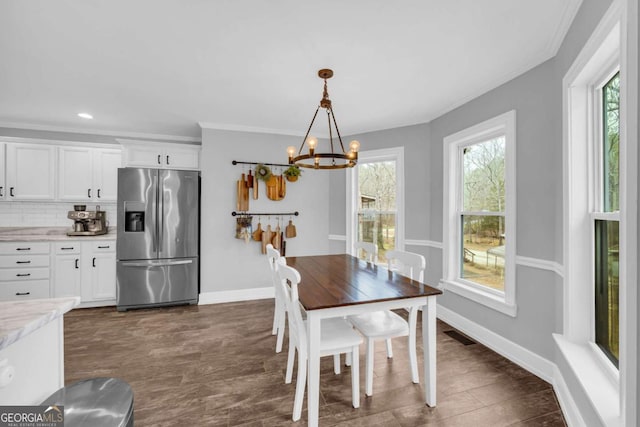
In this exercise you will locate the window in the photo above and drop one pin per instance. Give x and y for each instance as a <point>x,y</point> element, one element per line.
<point>594,238</point>
<point>479,217</point>
<point>375,194</point>
<point>606,218</point>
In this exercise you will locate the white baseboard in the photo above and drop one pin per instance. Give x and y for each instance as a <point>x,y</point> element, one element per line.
<point>567,404</point>
<point>236,295</point>
<point>530,361</point>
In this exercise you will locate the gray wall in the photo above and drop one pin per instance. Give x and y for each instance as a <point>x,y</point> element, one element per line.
<point>537,98</point>
<point>229,263</point>
<point>538,184</point>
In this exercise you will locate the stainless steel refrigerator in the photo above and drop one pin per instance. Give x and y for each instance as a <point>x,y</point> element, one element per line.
<point>157,248</point>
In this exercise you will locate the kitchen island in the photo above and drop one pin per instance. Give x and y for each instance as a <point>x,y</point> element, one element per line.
<point>32,349</point>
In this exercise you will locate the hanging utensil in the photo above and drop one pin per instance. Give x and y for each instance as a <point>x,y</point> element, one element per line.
<point>277,237</point>
<point>250,179</point>
<point>257,235</point>
<point>290,230</point>
<point>267,236</point>
<point>239,195</point>
<point>244,194</point>
<point>272,188</point>
<point>282,187</point>
<point>255,188</point>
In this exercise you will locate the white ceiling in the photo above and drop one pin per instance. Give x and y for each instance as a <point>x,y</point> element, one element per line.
<point>162,67</point>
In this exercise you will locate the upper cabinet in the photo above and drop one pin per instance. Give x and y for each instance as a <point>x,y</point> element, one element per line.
<point>30,171</point>
<point>88,174</point>
<point>160,155</point>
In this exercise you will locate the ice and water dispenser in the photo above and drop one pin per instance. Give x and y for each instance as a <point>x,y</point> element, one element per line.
<point>133,216</point>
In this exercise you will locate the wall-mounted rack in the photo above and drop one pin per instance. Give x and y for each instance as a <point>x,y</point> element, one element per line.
<point>237,162</point>
<point>296,213</point>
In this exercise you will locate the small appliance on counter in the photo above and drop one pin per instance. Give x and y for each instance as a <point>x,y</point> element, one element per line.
<point>87,223</point>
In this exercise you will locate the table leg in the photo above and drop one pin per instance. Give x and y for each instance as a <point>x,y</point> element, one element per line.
<point>313,396</point>
<point>429,344</point>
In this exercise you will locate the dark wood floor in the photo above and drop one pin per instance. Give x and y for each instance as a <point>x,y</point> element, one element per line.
<point>215,365</point>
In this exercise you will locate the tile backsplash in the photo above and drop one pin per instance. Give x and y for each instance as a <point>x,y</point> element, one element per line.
<point>42,214</point>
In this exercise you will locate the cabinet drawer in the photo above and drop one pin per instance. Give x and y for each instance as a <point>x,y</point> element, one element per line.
<point>12,248</point>
<point>106,246</point>
<point>24,261</point>
<point>67,248</point>
<point>23,274</point>
<point>24,290</point>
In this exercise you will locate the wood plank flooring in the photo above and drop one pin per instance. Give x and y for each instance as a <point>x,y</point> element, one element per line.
<point>215,365</point>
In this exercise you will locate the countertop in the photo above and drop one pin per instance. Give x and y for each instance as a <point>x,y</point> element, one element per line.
<point>19,318</point>
<point>47,234</point>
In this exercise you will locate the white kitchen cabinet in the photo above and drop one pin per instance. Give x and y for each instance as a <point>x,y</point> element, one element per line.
<point>86,269</point>
<point>105,174</point>
<point>88,174</point>
<point>98,271</point>
<point>160,155</point>
<point>24,270</point>
<point>30,171</point>
<point>67,279</point>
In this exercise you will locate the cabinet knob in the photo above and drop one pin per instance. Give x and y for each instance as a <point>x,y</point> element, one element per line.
<point>11,192</point>
<point>77,263</point>
<point>159,159</point>
<point>167,159</point>
<point>89,193</point>
<point>93,262</point>
<point>98,193</point>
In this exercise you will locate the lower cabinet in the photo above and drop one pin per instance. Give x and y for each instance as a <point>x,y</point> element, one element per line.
<point>67,277</point>
<point>86,269</point>
<point>100,267</point>
<point>24,270</point>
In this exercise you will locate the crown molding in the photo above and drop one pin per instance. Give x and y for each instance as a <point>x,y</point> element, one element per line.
<point>102,132</point>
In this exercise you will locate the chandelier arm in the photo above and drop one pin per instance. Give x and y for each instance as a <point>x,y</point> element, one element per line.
<point>308,130</point>
<point>337,130</point>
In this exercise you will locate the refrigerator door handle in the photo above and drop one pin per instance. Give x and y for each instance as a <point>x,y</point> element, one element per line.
<point>156,246</point>
<point>161,229</point>
<point>156,263</point>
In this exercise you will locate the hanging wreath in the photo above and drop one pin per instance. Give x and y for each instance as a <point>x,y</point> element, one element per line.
<point>263,172</point>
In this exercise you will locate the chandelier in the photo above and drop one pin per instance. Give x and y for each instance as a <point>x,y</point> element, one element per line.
<point>328,160</point>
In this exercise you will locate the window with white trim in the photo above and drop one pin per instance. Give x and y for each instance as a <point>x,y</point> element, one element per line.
<point>594,219</point>
<point>375,200</point>
<point>479,217</point>
<point>606,218</point>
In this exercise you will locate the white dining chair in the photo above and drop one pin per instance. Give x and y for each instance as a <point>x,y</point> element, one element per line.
<point>370,251</point>
<point>384,325</point>
<point>279,311</point>
<point>337,336</point>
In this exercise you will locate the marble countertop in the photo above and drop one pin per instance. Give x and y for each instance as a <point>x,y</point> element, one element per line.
<point>47,234</point>
<point>19,318</point>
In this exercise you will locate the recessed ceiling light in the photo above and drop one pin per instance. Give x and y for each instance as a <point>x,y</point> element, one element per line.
<point>85,115</point>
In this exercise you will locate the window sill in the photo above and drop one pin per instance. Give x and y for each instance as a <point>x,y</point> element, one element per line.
<point>485,298</point>
<point>598,384</point>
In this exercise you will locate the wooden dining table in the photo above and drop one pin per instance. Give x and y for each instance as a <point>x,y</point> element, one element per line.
<point>343,285</point>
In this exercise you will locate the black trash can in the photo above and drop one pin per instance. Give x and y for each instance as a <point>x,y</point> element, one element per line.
<point>96,402</point>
